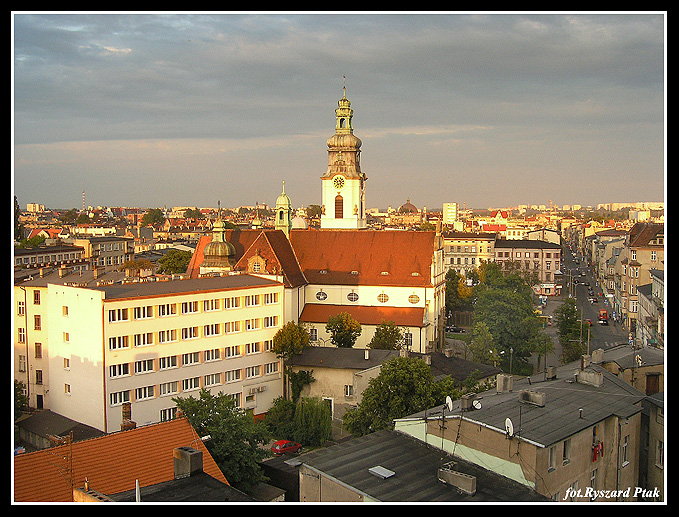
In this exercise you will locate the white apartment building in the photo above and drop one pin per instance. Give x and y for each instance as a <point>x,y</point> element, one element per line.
<point>106,343</point>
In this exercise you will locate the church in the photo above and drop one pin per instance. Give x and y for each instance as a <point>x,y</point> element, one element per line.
<point>374,275</point>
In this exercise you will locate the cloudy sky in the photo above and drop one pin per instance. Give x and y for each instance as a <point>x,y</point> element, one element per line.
<point>483,109</point>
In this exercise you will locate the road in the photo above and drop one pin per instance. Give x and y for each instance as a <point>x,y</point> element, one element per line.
<point>600,336</point>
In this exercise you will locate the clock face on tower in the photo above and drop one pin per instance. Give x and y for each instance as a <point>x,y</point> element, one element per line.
<point>338,182</point>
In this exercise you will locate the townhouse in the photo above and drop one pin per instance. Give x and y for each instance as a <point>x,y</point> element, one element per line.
<point>539,261</point>
<point>465,251</point>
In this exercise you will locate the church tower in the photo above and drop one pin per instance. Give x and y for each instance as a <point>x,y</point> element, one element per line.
<point>343,185</point>
<point>284,213</point>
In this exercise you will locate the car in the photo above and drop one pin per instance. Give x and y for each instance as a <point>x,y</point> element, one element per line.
<point>455,328</point>
<point>283,446</point>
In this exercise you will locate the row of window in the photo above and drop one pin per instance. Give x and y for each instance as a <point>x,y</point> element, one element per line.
<point>190,307</point>
<point>353,297</point>
<point>211,380</point>
<point>189,333</point>
<point>47,259</point>
<point>526,254</point>
<point>188,359</point>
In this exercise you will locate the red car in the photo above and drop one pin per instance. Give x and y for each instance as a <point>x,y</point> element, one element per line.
<point>283,446</point>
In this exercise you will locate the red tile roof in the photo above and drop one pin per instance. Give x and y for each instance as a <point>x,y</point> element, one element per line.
<point>111,463</point>
<point>386,258</point>
<point>365,315</point>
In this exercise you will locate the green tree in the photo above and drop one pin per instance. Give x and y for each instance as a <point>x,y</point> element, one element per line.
<point>570,330</point>
<point>135,266</point>
<point>482,346</point>
<point>175,261</point>
<point>313,421</point>
<point>387,337</point>
<point>193,213</point>
<point>404,386</point>
<point>20,398</point>
<point>280,419</point>
<point>153,217</point>
<point>344,330</point>
<point>290,340</point>
<point>236,439</point>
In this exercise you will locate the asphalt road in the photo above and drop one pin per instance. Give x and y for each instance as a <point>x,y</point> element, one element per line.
<point>600,336</point>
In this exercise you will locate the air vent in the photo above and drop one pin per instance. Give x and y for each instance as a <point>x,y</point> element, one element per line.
<point>381,472</point>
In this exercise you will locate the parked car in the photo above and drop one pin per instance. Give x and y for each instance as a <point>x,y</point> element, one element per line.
<point>455,328</point>
<point>283,446</point>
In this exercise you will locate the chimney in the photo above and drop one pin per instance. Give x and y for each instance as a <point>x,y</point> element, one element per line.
<point>466,401</point>
<point>598,356</point>
<point>187,461</point>
<point>504,382</point>
<point>127,422</point>
<point>551,372</point>
<point>427,358</point>
<point>463,482</point>
<point>536,398</point>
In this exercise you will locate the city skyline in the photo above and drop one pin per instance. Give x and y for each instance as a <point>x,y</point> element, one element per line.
<point>486,110</point>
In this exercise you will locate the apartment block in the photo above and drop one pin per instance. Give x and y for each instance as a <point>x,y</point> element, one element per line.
<point>109,342</point>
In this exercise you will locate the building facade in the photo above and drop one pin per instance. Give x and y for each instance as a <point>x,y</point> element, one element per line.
<point>538,261</point>
<point>147,342</point>
<point>465,251</point>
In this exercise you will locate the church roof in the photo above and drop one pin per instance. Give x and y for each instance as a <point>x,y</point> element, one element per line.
<point>365,315</point>
<point>365,257</point>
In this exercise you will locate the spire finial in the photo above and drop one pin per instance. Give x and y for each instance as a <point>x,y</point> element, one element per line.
<point>345,85</point>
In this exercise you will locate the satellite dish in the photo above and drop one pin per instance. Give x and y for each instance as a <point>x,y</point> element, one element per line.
<point>509,427</point>
<point>449,403</point>
<point>476,404</point>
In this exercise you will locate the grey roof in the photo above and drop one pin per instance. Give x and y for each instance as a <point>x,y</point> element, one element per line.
<point>526,243</point>
<point>624,356</point>
<point>415,466</point>
<point>560,417</point>
<point>45,423</point>
<point>343,358</point>
<point>459,369</point>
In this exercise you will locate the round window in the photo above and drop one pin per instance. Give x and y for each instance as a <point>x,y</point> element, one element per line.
<point>352,297</point>
<point>320,296</point>
<point>382,298</point>
<point>413,298</point>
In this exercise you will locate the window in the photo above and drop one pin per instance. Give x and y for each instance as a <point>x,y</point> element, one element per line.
<point>313,334</point>
<point>321,296</point>
<point>165,363</point>
<point>166,336</point>
<point>118,342</point>
<point>169,388</point>
<point>271,368</point>
<point>67,389</point>
<point>552,458</point>
<point>21,308</point>
<point>212,355</point>
<point>191,384</point>
<point>232,303</point>
<point>252,371</point>
<point>339,207</point>
<point>117,315</point>
<point>22,335</point>
<point>567,451</point>
<point>168,309</point>
<point>408,339</point>
<point>189,332</point>
<point>660,454</point>
<point>141,313</point>
<point>67,363</point>
<point>145,392</point>
<point>270,298</point>
<point>38,377</point>
<point>252,348</point>
<point>348,390</point>
<point>119,397</point>
<point>36,297</point>
<point>167,414</point>
<point>270,321</point>
<point>37,322</point>
<point>232,351</point>
<point>64,310</point>
<point>352,296</point>
<point>143,366</point>
<point>189,307</point>
<point>212,379</point>
<point>211,330</point>
<point>624,458</point>
<point>210,305</point>
<point>232,376</point>
<point>592,482</point>
<point>252,324</point>
<point>382,298</point>
<point>190,358</point>
<point>143,339</point>
<point>231,326</point>
<point>118,370</point>
<point>252,300</point>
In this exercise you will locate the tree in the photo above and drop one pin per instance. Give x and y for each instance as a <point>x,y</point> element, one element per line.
<point>313,421</point>
<point>404,386</point>
<point>20,398</point>
<point>279,420</point>
<point>235,437</point>
<point>193,213</point>
<point>569,331</point>
<point>482,345</point>
<point>344,330</point>
<point>175,261</point>
<point>153,217</point>
<point>290,340</point>
<point>387,337</point>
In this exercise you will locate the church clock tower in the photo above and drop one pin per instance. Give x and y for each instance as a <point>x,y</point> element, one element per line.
<point>343,185</point>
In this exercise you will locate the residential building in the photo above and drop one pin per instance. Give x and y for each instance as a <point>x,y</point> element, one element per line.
<point>652,456</point>
<point>108,343</point>
<point>450,213</point>
<point>107,253</point>
<point>31,260</point>
<point>465,251</point>
<point>568,436</point>
<point>651,319</point>
<point>539,261</point>
<point>390,466</point>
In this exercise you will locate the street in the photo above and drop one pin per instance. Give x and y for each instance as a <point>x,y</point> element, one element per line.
<point>599,336</point>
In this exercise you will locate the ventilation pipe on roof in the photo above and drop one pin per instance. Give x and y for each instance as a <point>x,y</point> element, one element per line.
<point>187,461</point>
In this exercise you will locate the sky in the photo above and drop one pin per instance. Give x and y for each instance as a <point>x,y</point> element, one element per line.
<point>200,108</point>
